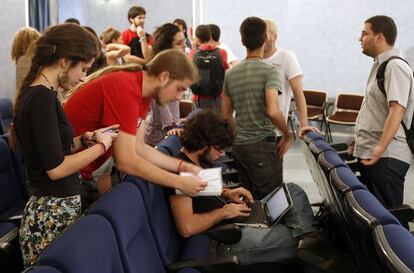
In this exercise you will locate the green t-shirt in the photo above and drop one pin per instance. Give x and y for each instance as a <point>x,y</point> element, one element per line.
<point>246,84</point>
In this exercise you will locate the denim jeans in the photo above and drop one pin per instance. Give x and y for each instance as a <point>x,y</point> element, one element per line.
<point>385,179</point>
<point>277,243</point>
<point>259,169</point>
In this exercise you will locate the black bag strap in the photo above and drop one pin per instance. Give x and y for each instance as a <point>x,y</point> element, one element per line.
<point>381,72</point>
<point>381,80</point>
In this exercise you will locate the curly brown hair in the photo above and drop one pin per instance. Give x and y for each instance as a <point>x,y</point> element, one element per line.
<point>22,41</point>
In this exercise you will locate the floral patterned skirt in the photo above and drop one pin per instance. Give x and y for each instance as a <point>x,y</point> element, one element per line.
<point>45,218</point>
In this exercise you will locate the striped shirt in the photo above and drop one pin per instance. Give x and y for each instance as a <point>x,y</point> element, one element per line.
<point>246,84</point>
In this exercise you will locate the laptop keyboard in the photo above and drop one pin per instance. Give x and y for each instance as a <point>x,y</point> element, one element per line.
<point>257,215</point>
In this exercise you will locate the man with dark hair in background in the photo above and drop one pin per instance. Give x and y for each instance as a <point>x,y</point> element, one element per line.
<point>215,40</point>
<point>72,20</point>
<point>135,36</point>
<point>251,89</point>
<point>208,52</point>
<point>380,143</point>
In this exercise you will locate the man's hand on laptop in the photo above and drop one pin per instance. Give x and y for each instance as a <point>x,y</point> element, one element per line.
<point>234,210</point>
<point>238,195</point>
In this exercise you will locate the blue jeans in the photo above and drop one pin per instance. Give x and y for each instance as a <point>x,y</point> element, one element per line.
<point>277,243</point>
<point>385,179</point>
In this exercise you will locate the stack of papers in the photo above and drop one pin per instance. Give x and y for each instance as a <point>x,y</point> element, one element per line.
<point>212,177</point>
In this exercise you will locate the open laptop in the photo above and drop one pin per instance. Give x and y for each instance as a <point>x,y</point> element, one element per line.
<point>269,210</point>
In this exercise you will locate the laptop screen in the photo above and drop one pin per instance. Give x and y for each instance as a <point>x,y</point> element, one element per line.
<point>278,204</point>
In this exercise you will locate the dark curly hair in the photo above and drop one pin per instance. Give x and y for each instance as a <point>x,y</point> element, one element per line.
<point>207,128</point>
<point>164,37</point>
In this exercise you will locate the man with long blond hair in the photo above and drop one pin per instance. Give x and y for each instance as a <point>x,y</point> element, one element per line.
<point>121,95</point>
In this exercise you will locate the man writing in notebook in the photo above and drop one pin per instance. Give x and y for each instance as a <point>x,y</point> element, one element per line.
<point>205,137</point>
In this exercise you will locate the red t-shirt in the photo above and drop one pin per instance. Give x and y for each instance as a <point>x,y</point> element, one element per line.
<point>115,98</point>
<point>223,55</point>
<point>131,39</point>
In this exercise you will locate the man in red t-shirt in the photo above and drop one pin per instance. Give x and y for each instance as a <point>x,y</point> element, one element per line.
<point>122,97</point>
<point>203,38</point>
<point>136,38</point>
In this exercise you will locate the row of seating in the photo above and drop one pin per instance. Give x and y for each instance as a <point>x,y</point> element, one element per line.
<point>13,198</point>
<point>365,229</point>
<point>345,112</point>
<point>131,229</point>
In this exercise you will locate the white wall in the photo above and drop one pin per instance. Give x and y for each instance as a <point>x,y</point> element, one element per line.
<point>12,19</point>
<point>100,14</point>
<point>323,33</point>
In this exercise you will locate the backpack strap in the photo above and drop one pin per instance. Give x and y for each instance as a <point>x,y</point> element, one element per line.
<point>381,73</point>
<point>381,80</point>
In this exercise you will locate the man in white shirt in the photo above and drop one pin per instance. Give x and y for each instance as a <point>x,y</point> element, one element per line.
<point>288,67</point>
<point>380,143</point>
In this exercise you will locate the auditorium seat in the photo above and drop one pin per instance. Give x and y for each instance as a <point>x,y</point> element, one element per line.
<point>89,245</point>
<point>395,247</point>
<point>11,207</point>
<point>172,248</point>
<point>11,198</point>
<point>364,212</point>
<point>124,209</point>
<point>312,136</point>
<point>318,146</point>
<point>41,269</point>
<point>170,145</point>
<point>6,115</point>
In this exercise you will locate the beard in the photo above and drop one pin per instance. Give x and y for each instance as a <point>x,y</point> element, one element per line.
<point>205,160</point>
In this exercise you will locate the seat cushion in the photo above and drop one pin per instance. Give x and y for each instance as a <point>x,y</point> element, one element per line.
<point>401,242</point>
<point>344,179</point>
<point>373,207</point>
<point>346,118</point>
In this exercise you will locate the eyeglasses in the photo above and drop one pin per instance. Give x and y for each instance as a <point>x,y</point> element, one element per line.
<point>220,151</point>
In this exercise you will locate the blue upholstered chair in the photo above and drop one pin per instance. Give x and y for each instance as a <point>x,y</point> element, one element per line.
<point>312,136</point>
<point>124,209</point>
<point>172,248</point>
<point>42,269</point>
<point>89,245</point>
<point>395,247</point>
<point>6,115</point>
<point>170,145</point>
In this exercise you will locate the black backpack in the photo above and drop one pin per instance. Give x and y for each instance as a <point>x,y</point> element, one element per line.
<point>211,72</point>
<point>409,133</point>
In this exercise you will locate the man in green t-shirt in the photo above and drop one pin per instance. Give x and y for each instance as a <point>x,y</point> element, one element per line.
<point>251,89</point>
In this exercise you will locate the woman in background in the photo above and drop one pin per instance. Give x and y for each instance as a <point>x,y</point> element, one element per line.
<point>161,119</point>
<point>22,52</point>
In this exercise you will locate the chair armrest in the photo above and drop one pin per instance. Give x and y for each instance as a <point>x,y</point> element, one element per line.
<point>226,234</point>
<point>340,146</point>
<point>404,214</point>
<point>12,219</point>
<point>316,204</point>
<point>209,265</point>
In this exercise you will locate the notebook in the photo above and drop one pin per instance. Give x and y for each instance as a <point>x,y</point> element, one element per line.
<point>269,210</point>
<point>214,179</point>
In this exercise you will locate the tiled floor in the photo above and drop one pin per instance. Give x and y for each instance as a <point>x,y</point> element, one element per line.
<point>296,170</point>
